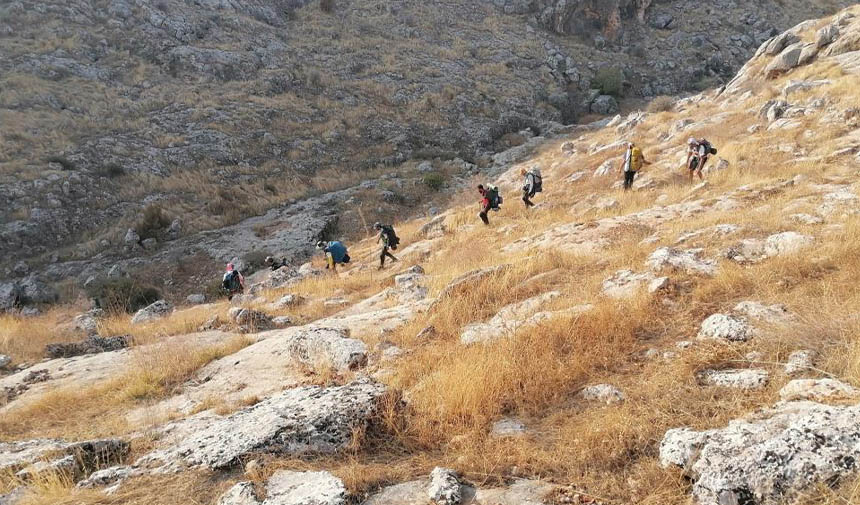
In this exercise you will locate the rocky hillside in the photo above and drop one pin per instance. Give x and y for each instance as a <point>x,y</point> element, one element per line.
<point>206,112</point>
<point>683,342</point>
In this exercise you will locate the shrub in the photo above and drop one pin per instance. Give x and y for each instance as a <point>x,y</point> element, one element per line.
<point>110,170</point>
<point>254,261</point>
<point>123,295</point>
<point>609,80</point>
<point>434,181</point>
<point>661,104</point>
<point>64,162</point>
<point>152,222</point>
<point>327,5</point>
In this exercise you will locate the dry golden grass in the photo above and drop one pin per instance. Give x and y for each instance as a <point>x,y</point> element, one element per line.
<point>154,372</point>
<point>181,322</point>
<point>24,339</point>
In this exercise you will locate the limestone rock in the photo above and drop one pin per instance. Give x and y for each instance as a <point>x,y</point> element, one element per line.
<point>290,488</point>
<point>604,393</point>
<point>330,346</point>
<point>195,299</point>
<point>786,243</point>
<point>817,389</point>
<point>769,457</point>
<point>4,360</point>
<point>157,310</point>
<point>773,314</point>
<point>725,327</point>
<point>736,379</point>
<point>626,283</point>
<point>604,105</point>
<point>688,261</point>
<point>507,428</point>
<point>107,476</point>
<point>800,361</point>
<point>444,487</point>
<point>288,300</point>
<point>308,419</point>
<point>92,345</point>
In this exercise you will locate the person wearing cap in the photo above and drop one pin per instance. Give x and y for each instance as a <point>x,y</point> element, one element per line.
<point>233,282</point>
<point>633,162</point>
<point>389,241</point>
<point>335,253</point>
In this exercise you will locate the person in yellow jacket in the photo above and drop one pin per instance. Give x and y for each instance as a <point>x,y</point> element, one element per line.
<point>633,162</point>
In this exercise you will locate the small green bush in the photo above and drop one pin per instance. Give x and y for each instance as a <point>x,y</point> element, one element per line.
<point>123,295</point>
<point>610,81</point>
<point>153,221</point>
<point>434,181</point>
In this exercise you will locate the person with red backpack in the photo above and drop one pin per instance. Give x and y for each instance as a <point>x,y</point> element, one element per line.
<point>233,282</point>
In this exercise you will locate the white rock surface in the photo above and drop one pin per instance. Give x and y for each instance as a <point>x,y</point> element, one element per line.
<point>605,393</point>
<point>774,314</point>
<point>770,457</point>
<point>4,360</point>
<point>444,488</point>
<point>817,389</point>
<point>290,488</point>
<point>508,427</point>
<point>156,310</point>
<point>786,243</point>
<point>800,361</point>
<point>509,319</point>
<point>688,261</point>
<point>725,327</point>
<point>626,283</point>
<point>328,346</point>
<point>736,379</point>
<point>294,422</point>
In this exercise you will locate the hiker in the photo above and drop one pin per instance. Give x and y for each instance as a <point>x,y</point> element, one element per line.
<point>533,185</point>
<point>335,254</point>
<point>275,264</point>
<point>698,153</point>
<point>490,200</point>
<point>633,161</point>
<point>233,281</point>
<point>389,241</point>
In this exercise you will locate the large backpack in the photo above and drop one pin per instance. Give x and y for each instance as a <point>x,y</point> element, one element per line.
<point>494,197</point>
<point>537,184</point>
<point>391,236</point>
<point>231,281</point>
<point>709,148</point>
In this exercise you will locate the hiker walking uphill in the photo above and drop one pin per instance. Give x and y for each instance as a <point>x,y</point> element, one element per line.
<point>533,185</point>
<point>233,282</point>
<point>698,153</point>
<point>490,200</point>
<point>335,254</point>
<point>632,163</point>
<point>389,241</point>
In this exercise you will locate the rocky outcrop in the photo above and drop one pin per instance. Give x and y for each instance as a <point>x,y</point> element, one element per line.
<point>33,458</point>
<point>817,390</point>
<point>726,327</point>
<point>153,312</point>
<point>327,346</point>
<point>444,487</point>
<point>509,319</point>
<point>687,261</point>
<point>290,488</point>
<point>735,379</point>
<point>297,421</point>
<point>604,393</point>
<point>92,345</point>
<point>769,457</point>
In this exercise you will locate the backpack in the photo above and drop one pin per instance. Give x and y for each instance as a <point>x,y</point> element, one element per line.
<point>392,239</point>
<point>537,181</point>
<point>231,281</point>
<point>709,148</point>
<point>494,197</point>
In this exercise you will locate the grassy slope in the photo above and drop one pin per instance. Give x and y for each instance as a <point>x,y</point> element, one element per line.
<point>457,392</point>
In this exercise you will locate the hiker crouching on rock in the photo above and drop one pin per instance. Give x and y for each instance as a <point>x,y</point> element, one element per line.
<point>389,241</point>
<point>698,152</point>
<point>533,185</point>
<point>233,281</point>
<point>632,163</point>
<point>274,264</point>
<point>335,254</point>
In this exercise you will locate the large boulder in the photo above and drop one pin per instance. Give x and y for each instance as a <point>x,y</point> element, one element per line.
<point>298,421</point>
<point>604,105</point>
<point>444,487</point>
<point>328,346</point>
<point>687,261</point>
<point>818,390</point>
<point>726,327</point>
<point>152,312</point>
<point>785,61</point>
<point>770,457</point>
<point>10,295</point>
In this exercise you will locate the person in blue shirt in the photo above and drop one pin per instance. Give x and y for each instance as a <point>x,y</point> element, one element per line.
<point>335,253</point>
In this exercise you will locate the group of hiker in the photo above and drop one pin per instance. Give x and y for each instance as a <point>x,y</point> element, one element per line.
<point>336,253</point>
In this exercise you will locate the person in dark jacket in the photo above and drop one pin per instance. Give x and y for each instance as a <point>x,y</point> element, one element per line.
<point>389,241</point>
<point>532,185</point>
<point>485,204</point>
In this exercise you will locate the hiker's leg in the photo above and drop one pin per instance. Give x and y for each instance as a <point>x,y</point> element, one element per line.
<point>382,256</point>
<point>483,216</point>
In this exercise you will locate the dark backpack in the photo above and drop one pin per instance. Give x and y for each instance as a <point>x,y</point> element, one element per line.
<point>231,281</point>
<point>709,148</point>
<point>537,184</point>
<point>494,197</point>
<point>391,236</point>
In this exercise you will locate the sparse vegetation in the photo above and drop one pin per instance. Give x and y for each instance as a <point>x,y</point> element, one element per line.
<point>434,181</point>
<point>153,222</point>
<point>661,104</point>
<point>610,81</point>
<point>125,294</point>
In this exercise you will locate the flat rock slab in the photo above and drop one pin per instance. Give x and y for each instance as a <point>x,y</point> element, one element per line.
<point>818,390</point>
<point>689,261</point>
<point>290,488</point>
<point>509,319</point>
<point>521,492</point>
<point>736,379</point>
<point>770,457</point>
<point>297,421</point>
<point>726,327</point>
